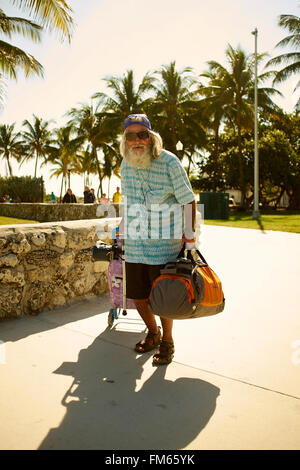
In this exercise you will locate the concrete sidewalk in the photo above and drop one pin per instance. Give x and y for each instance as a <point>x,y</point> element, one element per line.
<point>70,382</point>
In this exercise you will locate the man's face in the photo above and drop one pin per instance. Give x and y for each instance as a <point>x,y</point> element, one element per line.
<point>137,146</point>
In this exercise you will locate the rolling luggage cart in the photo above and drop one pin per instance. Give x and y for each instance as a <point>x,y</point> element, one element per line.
<point>116,276</point>
<point>117,284</point>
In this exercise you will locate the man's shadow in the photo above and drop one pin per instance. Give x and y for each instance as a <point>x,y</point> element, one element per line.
<point>109,407</point>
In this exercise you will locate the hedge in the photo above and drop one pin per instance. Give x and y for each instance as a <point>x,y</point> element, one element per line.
<point>22,188</point>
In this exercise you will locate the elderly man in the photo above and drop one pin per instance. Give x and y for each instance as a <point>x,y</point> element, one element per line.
<point>153,181</point>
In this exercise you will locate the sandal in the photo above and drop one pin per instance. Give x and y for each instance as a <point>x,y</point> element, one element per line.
<point>165,354</point>
<point>151,341</point>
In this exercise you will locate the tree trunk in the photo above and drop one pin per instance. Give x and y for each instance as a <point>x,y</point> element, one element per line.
<point>8,164</point>
<point>61,188</point>
<point>277,201</point>
<point>294,202</point>
<point>189,167</point>
<point>36,162</point>
<point>98,167</point>
<point>108,188</point>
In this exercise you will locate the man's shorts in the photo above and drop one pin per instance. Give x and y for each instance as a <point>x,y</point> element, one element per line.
<point>139,279</point>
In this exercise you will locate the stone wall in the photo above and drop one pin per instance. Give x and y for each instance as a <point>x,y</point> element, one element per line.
<point>47,265</point>
<point>47,212</point>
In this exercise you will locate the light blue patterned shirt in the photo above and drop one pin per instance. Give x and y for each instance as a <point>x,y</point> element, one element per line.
<point>153,214</point>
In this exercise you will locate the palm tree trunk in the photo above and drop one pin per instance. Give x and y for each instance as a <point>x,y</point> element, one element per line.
<point>98,167</point>
<point>36,162</point>
<point>190,161</point>
<point>108,188</point>
<point>8,164</point>
<point>61,188</point>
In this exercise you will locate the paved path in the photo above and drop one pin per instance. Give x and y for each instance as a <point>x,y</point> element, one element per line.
<point>69,382</point>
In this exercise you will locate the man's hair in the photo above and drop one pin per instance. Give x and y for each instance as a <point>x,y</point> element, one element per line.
<point>156,144</point>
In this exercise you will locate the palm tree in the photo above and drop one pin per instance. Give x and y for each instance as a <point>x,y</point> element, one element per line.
<point>86,124</point>
<point>174,111</point>
<point>96,129</point>
<point>10,144</point>
<point>38,139</point>
<point>112,161</point>
<point>83,164</point>
<point>12,58</point>
<point>64,153</point>
<point>214,106</point>
<point>51,15</point>
<point>232,90</point>
<point>292,59</point>
<point>127,98</point>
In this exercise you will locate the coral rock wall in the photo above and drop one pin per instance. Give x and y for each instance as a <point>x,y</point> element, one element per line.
<point>47,265</point>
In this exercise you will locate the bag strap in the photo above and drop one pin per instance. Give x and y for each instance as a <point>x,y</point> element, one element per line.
<point>190,256</point>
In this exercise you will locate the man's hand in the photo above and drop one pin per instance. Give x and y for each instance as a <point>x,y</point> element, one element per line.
<point>188,237</point>
<point>188,242</point>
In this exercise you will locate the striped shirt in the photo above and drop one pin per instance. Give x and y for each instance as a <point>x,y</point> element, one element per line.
<point>153,214</point>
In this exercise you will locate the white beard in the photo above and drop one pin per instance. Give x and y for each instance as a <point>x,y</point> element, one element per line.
<point>138,160</point>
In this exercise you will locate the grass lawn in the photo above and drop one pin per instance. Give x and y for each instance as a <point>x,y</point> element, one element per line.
<point>284,221</point>
<point>12,221</point>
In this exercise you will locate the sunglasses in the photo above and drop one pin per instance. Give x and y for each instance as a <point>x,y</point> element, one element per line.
<point>142,135</point>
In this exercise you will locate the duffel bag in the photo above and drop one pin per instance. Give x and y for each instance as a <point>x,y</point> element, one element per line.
<point>186,288</point>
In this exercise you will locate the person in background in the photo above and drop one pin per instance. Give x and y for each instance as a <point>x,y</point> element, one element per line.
<point>117,196</point>
<point>117,199</point>
<point>93,198</point>
<point>104,199</point>
<point>86,195</point>
<point>52,197</point>
<point>69,197</point>
<point>6,199</point>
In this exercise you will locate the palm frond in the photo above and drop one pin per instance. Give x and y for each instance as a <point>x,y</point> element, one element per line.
<point>15,25</point>
<point>284,58</point>
<point>13,59</point>
<point>290,22</point>
<point>52,14</point>
<point>286,72</point>
<point>293,41</point>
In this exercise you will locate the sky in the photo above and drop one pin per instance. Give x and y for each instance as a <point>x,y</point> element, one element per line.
<point>113,36</point>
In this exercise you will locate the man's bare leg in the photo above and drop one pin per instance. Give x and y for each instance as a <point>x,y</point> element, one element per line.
<point>150,321</point>
<point>167,325</point>
<point>147,316</point>
<point>166,348</point>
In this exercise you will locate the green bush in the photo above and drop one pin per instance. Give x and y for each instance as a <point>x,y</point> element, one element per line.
<point>22,188</point>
